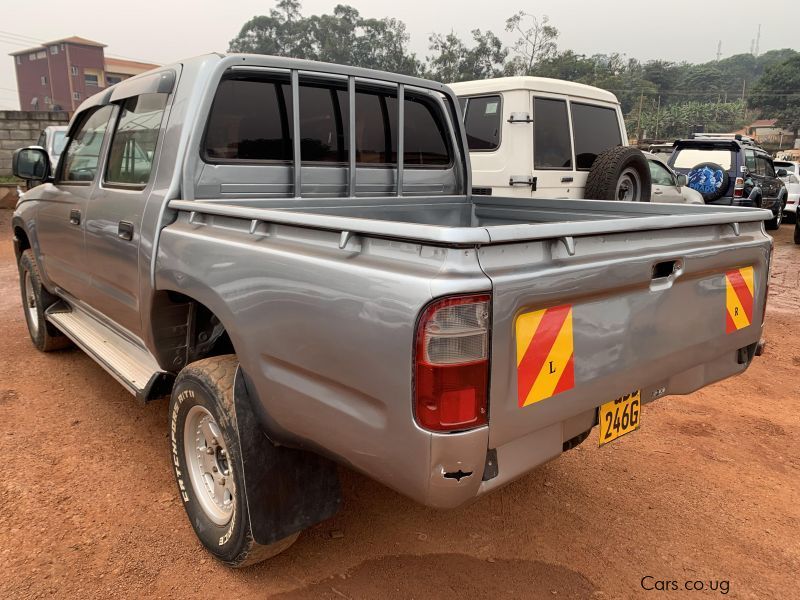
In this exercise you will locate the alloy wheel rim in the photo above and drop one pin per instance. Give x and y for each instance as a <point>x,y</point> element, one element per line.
<point>30,304</point>
<point>210,469</point>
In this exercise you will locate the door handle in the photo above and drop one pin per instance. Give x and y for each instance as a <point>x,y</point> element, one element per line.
<point>658,191</point>
<point>74,217</point>
<point>125,231</point>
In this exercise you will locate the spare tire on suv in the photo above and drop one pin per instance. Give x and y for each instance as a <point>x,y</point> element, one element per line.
<point>619,173</point>
<point>709,179</point>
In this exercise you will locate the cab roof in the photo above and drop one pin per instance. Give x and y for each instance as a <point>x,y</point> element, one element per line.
<point>533,84</point>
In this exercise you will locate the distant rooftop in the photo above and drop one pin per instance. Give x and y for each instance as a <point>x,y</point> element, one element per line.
<point>763,123</point>
<point>78,41</point>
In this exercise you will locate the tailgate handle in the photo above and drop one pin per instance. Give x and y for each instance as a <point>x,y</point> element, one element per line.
<point>665,268</point>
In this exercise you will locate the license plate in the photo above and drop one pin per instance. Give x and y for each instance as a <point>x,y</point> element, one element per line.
<point>620,416</point>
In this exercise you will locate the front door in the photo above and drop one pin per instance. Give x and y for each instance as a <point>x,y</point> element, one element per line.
<point>61,217</point>
<point>114,212</point>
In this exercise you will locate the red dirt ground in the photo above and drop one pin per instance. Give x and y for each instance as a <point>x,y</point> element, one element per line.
<point>707,490</point>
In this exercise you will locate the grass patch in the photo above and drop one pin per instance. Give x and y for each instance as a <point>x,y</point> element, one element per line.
<point>9,180</point>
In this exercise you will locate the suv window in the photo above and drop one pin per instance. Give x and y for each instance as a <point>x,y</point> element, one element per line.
<point>551,144</point>
<point>750,160</point>
<point>482,122</point>
<point>250,120</point>
<point>765,166</point>
<point>596,128</point>
<point>83,152</point>
<point>688,158</point>
<point>133,146</point>
<point>659,174</point>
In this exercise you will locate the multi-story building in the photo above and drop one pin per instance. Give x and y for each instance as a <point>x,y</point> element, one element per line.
<point>59,75</point>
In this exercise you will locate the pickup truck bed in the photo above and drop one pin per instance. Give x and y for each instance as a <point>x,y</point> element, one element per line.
<point>646,284</point>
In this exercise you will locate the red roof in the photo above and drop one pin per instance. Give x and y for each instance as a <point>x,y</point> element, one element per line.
<point>763,123</point>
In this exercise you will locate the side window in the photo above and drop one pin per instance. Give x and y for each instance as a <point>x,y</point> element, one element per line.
<point>133,145</point>
<point>596,128</point>
<point>42,140</point>
<point>769,170</point>
<point>324,122</point>
<point>659,174</point>
<point>761,166</point>
<point>376,128</point>
<point>425,142</point>
<point>551,143</point>
<point>482,122</point>
<point>750,160</point>
<point>82,155</point>
<point>250,120</point>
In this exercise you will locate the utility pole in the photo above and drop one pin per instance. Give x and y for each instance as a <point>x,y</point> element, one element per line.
<point>658,115</point>
<point>744,104</point>
<point>639,124</point>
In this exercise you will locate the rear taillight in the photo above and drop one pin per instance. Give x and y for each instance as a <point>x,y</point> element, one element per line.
<point>452,363</point>
<point>738,188</point>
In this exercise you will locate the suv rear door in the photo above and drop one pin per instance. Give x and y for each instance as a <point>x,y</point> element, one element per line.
<point>553,156</point>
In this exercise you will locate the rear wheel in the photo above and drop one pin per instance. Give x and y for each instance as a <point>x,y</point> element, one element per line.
<point>208,465</point>
<point>775,222</point>
<point>619,173</point>
<point>35,301</point>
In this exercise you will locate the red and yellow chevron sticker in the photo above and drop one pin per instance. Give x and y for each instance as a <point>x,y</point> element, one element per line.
<point>544,354</point>
<point>738,299</point>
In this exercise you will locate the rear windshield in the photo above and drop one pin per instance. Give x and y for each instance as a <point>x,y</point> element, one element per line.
<point>686,158</point>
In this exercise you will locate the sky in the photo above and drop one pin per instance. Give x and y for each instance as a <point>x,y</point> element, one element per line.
<point>166,31</point>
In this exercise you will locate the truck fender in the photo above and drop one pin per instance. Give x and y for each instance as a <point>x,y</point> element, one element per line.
<point>286,489</point>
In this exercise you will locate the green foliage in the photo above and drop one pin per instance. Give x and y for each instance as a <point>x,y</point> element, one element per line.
<point>777,92</point>
<point>678,97</point>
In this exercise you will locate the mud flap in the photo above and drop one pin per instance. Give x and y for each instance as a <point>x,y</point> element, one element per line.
<point>287,490</point>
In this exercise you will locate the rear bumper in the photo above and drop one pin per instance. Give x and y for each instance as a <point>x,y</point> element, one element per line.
<point>791,203</point>
<point>499,466</point>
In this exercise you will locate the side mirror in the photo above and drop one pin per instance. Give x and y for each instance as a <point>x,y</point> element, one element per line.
<point>31,163</point>
<point>781,173</point>
<point>682,180</point>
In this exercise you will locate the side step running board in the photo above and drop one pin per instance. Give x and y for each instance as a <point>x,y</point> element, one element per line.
<point>130,364</point>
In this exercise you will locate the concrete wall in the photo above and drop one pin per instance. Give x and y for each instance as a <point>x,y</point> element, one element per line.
<point>20,128</point>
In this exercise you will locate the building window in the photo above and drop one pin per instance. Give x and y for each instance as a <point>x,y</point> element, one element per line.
<point>17,59</point>
<point>44,79</point>
<point>62,46</point>
<point>32,56</point>
<point>41,54</point>
<point>74,70</point>
<point>47,100</point>
<point>76,95</point>
<point>113,79</point>
<point>91,79</point>
<point>53,49</point>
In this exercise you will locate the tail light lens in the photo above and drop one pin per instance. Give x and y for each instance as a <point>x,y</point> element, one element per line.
<point>452,363</point>
<point>738,188</point>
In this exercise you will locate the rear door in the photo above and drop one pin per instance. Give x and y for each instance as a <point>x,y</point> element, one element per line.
<point>664,183</point>
<point>595,128</point>
<point>631,311</point>
<point>553,157</point>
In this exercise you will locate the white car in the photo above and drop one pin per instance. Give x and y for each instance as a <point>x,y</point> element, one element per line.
<point>792,182</point>
<point>669,186</point>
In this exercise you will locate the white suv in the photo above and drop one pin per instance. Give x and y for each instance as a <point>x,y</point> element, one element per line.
<point>548,138</point>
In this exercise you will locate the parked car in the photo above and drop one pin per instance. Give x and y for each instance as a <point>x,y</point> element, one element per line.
<point>669,186</point>
<point>731,170</point>
<point>347,298</point>
<point>663,151</point>
<point>792,182</point>
<point>534,137</point>
<point>53,138</point>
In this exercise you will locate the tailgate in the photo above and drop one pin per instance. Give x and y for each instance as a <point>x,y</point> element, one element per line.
<point>649,310</point>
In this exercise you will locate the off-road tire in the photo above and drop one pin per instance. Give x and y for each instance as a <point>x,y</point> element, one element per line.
<point>44,335</point>
<point>209,384</point>
<point>609,167</point>
<point>775,222</point>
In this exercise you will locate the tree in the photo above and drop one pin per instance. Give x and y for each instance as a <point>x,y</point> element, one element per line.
<point>537,41</point>
<point>453,61</point>
<point>343,37</point>
<point>777,93</point>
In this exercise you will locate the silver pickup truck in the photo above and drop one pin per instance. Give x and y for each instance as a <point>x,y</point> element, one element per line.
<point>291,251</point>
